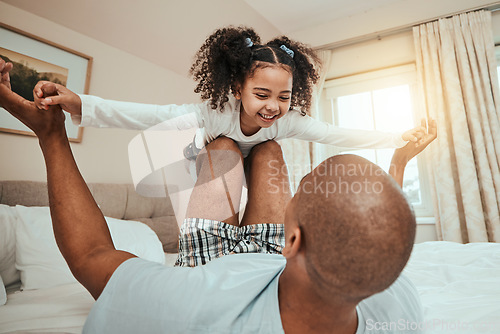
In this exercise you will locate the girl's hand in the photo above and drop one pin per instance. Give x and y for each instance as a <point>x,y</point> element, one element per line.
<point>406,153</point>
<point>68,100</point>
<point>415,134</point>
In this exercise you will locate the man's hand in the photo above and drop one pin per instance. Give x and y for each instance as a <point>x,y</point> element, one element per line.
<point>4,70</point>
<point>80,229</point>
<point>48,94</point>
<point>44,123</point>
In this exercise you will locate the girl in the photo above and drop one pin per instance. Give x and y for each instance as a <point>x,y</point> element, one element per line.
<point>253,93</point>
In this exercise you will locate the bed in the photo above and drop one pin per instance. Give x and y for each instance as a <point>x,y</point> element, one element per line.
<point>459,284</point>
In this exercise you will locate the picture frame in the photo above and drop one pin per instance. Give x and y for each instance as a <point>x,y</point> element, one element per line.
<point>35,59</point>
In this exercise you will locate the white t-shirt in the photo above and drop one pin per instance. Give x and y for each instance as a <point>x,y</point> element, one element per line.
<point>232,294</point>
<point>98,112</point>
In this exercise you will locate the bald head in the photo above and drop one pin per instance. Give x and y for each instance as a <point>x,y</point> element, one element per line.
<point>357,227</point>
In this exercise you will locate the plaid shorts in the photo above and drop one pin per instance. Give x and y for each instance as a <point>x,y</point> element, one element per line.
<point>202,240</point>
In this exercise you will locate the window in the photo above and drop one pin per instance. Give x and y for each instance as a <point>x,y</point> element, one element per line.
<point>497,54</point>
<point>383,100</point>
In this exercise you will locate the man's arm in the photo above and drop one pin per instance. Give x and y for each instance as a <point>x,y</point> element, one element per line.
<point>404,154</point>
<point>80,229</point>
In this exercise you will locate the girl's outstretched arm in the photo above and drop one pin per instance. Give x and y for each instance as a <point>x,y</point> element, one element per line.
<point>87,110</point>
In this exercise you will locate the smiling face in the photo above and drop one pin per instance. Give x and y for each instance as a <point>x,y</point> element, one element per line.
<point>265,97</point>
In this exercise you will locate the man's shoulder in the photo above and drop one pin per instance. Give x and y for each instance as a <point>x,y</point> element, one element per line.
<point>244,285</point>
<point>236,264</point>
<point>249,261</point>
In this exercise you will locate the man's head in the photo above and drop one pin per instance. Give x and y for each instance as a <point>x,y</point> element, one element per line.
<point>356,228</point>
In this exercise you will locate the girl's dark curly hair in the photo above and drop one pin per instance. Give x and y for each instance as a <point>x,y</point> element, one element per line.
<point>225,60</point>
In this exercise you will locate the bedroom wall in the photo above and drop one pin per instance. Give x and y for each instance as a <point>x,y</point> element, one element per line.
<point>393,14</point>
<point>385,52</point>
<point>102,155</point>
<point>372,55</point>
<point>393,50</point>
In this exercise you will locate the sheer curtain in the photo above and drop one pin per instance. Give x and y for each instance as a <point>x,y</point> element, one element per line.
<point>299,154</point>
<point>457,73</point>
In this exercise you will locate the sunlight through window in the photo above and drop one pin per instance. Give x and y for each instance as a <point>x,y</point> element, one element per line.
<point>385,101</point>
<point>389,110</point>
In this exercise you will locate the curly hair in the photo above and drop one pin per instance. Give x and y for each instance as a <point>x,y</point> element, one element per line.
<point>226,60</point>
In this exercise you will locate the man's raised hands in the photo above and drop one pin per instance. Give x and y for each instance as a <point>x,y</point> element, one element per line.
<point>48,94</point>
<point>44,123</point>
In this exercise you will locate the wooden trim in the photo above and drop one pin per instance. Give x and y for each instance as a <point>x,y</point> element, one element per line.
<point>46,41</point>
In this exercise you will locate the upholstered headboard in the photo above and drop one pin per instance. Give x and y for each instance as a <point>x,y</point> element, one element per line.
<point>115,200</point>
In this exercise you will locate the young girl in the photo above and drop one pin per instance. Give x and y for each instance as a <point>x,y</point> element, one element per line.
<point>253,93</point>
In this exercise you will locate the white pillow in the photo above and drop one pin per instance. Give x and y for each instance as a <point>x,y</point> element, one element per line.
<point>40,262</point>
<point>8,218</point>
<point>3,294</point>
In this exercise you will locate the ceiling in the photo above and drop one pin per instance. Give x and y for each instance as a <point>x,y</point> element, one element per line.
<point>289,16</point>
<point>168,33</point>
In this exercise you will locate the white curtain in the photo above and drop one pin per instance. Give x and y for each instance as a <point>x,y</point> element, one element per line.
<point>300,155</point>
<point>458,76</point>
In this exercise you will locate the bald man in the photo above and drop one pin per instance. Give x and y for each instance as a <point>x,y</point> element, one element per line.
<point>348,234</point>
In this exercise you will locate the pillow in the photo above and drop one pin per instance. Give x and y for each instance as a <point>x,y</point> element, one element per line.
<point>40,262</point>
<point>8,218</point>
<point>3,294</point>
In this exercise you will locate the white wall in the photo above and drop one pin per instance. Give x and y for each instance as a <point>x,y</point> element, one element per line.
<point>389,51</point>
<point>102,155</point>
<point>372,55</point>
<point>384,52</point>
<point>395,14</point>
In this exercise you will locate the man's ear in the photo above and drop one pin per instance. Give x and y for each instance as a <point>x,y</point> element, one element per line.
<point>293,242</point>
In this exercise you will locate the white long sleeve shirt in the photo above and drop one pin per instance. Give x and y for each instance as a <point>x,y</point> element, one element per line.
<point>98,112</point>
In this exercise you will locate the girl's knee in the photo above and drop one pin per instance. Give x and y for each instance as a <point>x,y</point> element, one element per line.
<point>223,152</point>
<point>268,150</point>
<point>223,143</point>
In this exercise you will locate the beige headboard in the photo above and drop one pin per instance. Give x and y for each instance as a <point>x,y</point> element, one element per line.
<point>115,200</point>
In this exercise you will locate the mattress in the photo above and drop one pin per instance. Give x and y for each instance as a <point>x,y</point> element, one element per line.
<point>459,285</point>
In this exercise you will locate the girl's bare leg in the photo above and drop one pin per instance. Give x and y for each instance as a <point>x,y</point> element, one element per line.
<point>217,192</point>
<point>268,185</point>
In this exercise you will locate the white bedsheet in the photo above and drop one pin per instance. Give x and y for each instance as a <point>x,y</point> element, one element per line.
<point>459,286</point>
<point>61,309</point>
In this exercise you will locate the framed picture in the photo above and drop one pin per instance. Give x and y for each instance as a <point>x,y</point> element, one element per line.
<point>36,59</point>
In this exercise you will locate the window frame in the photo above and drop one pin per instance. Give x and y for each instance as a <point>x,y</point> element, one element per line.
<point>497,56</point>
<point>370,81</point>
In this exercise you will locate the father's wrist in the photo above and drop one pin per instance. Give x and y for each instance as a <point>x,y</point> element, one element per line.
<point>53,139</point>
